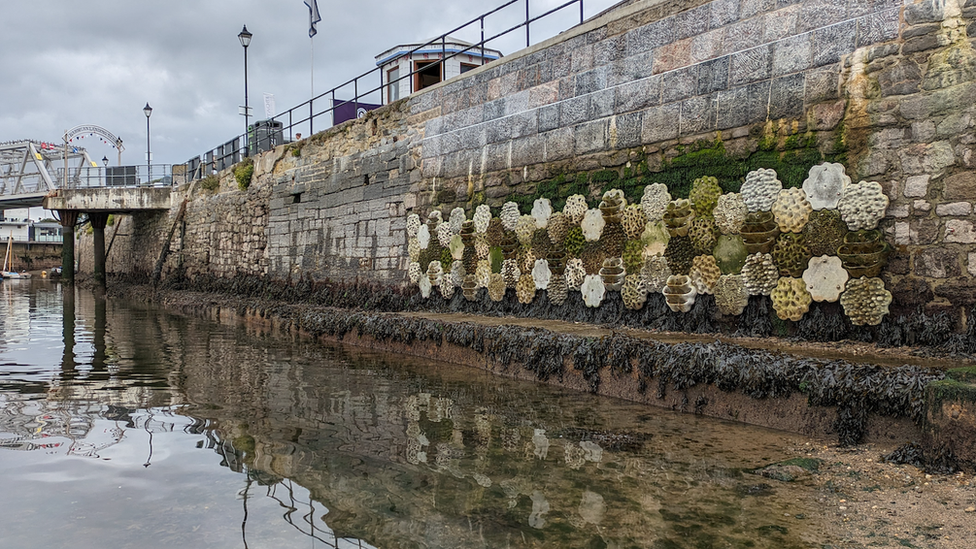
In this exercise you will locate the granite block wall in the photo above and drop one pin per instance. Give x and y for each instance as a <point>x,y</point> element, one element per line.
<point>886,84</point>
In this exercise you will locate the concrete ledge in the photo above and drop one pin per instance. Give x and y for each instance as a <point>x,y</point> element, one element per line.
<point>111,200</point>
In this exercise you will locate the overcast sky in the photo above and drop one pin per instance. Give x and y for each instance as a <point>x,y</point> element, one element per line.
<point>65,63</point>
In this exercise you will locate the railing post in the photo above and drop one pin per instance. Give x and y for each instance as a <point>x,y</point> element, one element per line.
<point>311,118</point>
<point>443,58</point>
<point>355,99</point>
<point>482,39</point>
<point>581,11</point>
<point>526,23</point>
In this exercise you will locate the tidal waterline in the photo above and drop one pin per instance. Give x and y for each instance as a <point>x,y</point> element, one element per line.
<point>123,426</point>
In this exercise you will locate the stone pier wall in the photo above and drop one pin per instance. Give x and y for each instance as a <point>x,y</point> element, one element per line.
<point>648,92</point>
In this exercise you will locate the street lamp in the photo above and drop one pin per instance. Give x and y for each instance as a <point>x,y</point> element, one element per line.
<point>148,110</point>
<point>245,38</point>
<point>104,161</point>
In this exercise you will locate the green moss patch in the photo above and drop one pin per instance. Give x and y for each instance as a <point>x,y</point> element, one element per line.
<point>964,375</point>
<point>949,390</point>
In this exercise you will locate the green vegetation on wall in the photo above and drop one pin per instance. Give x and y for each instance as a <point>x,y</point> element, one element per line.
<point>243,172</point>
<point>210,183</point>
<point>791,157</point>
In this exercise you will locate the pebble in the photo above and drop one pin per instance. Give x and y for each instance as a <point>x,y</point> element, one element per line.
<point>970,509</point>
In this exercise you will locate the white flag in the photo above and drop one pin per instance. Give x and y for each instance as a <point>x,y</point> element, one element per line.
<point>313,16</point>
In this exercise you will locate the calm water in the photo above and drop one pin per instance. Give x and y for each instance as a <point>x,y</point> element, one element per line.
<point>122,426</point>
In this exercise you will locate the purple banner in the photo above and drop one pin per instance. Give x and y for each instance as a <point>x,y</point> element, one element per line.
<point>347,110</point>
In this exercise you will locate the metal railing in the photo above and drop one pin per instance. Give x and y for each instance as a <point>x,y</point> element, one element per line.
<point>305,115</point>
<point>156,175</point>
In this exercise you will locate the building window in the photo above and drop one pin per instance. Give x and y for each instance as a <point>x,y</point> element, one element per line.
<point>427,73</point>
<point>465,67</point>
<point>393,87</point>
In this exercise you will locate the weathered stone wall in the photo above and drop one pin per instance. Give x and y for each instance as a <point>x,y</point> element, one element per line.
<point>883,86</point>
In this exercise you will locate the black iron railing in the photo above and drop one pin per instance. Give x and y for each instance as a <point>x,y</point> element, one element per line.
<point>267,134</point>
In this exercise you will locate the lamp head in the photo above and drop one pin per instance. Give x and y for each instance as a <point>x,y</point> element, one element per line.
<point>148,110</point>
<point>245,37</point>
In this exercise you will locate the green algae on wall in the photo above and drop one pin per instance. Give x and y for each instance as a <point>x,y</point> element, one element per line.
<point>791,157</point>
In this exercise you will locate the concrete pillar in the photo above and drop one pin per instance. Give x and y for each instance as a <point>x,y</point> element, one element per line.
<point>98,221</point>
<point>69,218</point>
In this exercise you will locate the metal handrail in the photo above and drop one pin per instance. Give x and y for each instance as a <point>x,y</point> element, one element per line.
<point>238,147</point>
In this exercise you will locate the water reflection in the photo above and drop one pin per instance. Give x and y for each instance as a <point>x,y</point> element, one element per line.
<point>337,445</point>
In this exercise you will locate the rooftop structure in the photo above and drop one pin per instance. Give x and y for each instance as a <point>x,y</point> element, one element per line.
<point>422,59</point>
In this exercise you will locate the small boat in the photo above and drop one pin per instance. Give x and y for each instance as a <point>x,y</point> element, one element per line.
<point>8,261</point>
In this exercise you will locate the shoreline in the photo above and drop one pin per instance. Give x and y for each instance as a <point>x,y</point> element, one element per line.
<point>845,390</point>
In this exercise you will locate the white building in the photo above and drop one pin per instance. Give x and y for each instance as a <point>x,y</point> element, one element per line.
<point>398,62</point>
<point>18,228</point>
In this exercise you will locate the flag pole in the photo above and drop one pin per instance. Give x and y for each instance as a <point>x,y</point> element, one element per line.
<point>311,71</point>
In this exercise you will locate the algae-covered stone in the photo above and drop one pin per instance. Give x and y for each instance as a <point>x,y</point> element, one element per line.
<point>557,228</point>
<point>730,253</point>
<point>612,272</point>
<point>655,200</point>
<point>791,210</point>
<point>496,287</point>
<point>510,216</point>
<point>731,295</point>
<point>575,209</point>
<point>525,289</point>
<point>413,225</point>
<point>558,291</point>
<point>824,232</point>
<point>791,255</point>
<point>511,272</point>
<point>633,221</point>
<point>791,300</point>
<point>655,273</point>
<point>704,273</point>
<point>760,189</point>
<point>423,237</point>
<point>414,272</point>
<point>680,253</point>
<point>457,219</point>
<point>704,195</point>
<point>481,218</point>
<point>541,274</point>
<point>456,245</point>
<point>704,234</point>
<point>575,273</point>
<point>541,211</point>
<point>425,287</point>
<point>863,205</point>
<point>679,293</point>
<point>633,293</point>
<point>592,225</point>
<point>593,290</point>
<point>825,185</point>
<point>760,274</point>
<point>655,238</point>
<point>633,256</point>
<point>825,278</point>
<point>865,301</point>
<point>730,213</point>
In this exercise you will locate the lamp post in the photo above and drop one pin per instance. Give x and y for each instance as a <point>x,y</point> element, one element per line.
<point>148,110</point>
<point>245,38</point>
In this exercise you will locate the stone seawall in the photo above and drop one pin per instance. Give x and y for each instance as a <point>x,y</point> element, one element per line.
<point>652,91</point>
